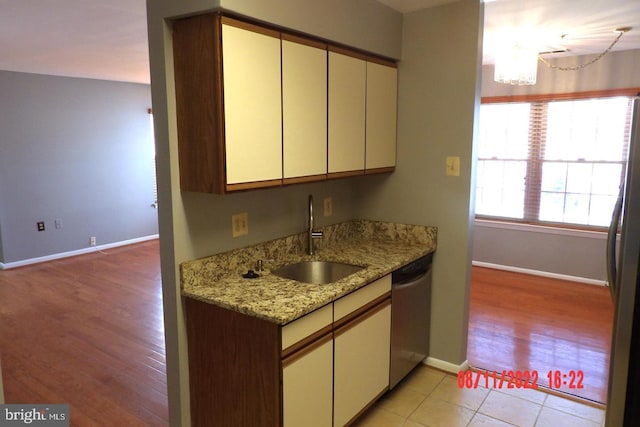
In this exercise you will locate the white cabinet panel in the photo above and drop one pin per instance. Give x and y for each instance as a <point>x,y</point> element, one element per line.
<point>305,326</point>
<point>347,101</point>
<point>361,368</point>
<point>307,385</point>
<point>382,104</point>
<point>304,109</point>
<point>355,300</point>
<point>252,105</point>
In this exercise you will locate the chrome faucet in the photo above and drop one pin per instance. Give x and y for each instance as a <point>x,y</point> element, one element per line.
<point>310,233</point>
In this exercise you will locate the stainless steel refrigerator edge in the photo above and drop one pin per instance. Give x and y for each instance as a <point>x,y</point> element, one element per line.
<point>624,391</point>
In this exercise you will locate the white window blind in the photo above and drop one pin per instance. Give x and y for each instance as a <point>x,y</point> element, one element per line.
<point>552,162</point>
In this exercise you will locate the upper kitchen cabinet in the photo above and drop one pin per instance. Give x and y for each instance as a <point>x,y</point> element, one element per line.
<point>229,129</point>
<point>304,109</point>
<point>258,106</point>
<point>382,103</point>
<point>347,112</point>
<point>363,99</point>
<point>252,103</point>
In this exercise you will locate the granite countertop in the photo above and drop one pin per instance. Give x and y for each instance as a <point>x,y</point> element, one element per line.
<point>380,247</point>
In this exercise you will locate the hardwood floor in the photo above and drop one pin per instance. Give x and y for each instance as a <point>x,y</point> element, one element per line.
<point>87,331</point>
<point>523,322</point>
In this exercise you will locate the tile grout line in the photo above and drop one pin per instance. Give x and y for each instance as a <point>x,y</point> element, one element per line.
<point>425,398</point>
<point>541,405</point>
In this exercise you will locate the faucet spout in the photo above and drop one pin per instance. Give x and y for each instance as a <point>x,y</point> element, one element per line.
<point>311,234</point>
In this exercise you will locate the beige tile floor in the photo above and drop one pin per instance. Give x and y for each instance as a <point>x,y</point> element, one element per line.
<point>429,397</point>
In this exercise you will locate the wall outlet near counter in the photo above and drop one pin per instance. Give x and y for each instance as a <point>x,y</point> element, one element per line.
<point>328,206</point>
<point>240,224</point>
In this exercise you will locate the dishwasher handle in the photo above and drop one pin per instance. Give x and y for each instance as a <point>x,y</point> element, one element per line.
<point>410,281</point>
<point>413,270</point>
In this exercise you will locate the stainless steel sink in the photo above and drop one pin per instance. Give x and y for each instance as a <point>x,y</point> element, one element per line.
<point>316,272</point>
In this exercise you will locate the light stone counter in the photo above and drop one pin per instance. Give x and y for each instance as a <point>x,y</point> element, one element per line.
<point>380,247</point>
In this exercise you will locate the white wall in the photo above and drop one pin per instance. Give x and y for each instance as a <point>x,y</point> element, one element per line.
<point>616,70</point>
<point>580,255</point>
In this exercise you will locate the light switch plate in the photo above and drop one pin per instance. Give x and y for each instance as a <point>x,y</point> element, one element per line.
<point>240,224</point>
<point>453,166</point>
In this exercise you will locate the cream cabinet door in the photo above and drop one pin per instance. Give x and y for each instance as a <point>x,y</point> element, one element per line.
<point>304,109</point>
<point>347,101</point>
<point>382,104</point>
<point>361,365</point>
<point>307,387</point>
<point>252,105</point>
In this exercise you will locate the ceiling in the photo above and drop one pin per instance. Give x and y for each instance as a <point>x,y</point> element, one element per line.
<point>107,39</point>
<point>102,39</point>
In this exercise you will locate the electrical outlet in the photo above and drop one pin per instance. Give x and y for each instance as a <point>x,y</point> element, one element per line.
<point>57,223</point>
<point>240,224</point>
<point>92,241</point>
<point>453,166</point>
<point>328,206</point>
<point>40,225</point>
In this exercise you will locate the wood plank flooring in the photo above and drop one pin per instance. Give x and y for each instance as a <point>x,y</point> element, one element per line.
<point>523,322</point>
<point>87,331</point>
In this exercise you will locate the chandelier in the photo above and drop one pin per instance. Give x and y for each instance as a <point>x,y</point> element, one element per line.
<point>517,64</point>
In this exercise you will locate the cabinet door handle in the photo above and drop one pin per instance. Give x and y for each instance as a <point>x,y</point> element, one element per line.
<point>301,352</point>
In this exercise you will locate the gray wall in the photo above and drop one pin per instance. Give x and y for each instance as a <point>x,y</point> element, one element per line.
<point>580,255</point>
<point>78,150</point>
<point>438,94</point>
<point>436,108</point>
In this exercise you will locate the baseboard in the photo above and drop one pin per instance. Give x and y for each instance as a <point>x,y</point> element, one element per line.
<point>540,273</point>
<point>449,367</point>
<point>6,266</point>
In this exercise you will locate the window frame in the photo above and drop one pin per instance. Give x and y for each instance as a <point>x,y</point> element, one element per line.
<point>534,168</point>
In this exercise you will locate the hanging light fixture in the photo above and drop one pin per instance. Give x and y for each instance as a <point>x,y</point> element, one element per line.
<point>518,64</point>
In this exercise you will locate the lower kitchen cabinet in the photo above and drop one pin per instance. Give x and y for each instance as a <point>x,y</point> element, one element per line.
<point>361,371</point>
<point>307,386</point>
<point>323,369</point>
<point>234,367</point>
<point>361,362</point>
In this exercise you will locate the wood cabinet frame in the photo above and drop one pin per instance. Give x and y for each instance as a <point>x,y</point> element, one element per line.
<point>234,367</point>
<point>197,61</point>
<point>200,101</point>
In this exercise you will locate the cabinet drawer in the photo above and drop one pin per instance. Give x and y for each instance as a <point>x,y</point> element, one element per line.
<point>302,328</point>
<point>355,300</point>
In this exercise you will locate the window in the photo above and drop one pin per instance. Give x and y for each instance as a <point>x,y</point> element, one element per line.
<point>552,161</point>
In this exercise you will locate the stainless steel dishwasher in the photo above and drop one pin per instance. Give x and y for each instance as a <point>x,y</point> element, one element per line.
<point>410,317</point>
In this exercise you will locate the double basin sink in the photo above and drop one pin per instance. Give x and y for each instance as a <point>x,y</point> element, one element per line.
<point>316,272</point>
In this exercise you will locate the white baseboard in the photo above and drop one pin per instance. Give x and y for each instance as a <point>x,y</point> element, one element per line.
<point>88,250</point>
<point>540,273</point>
<point>452,368</point>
